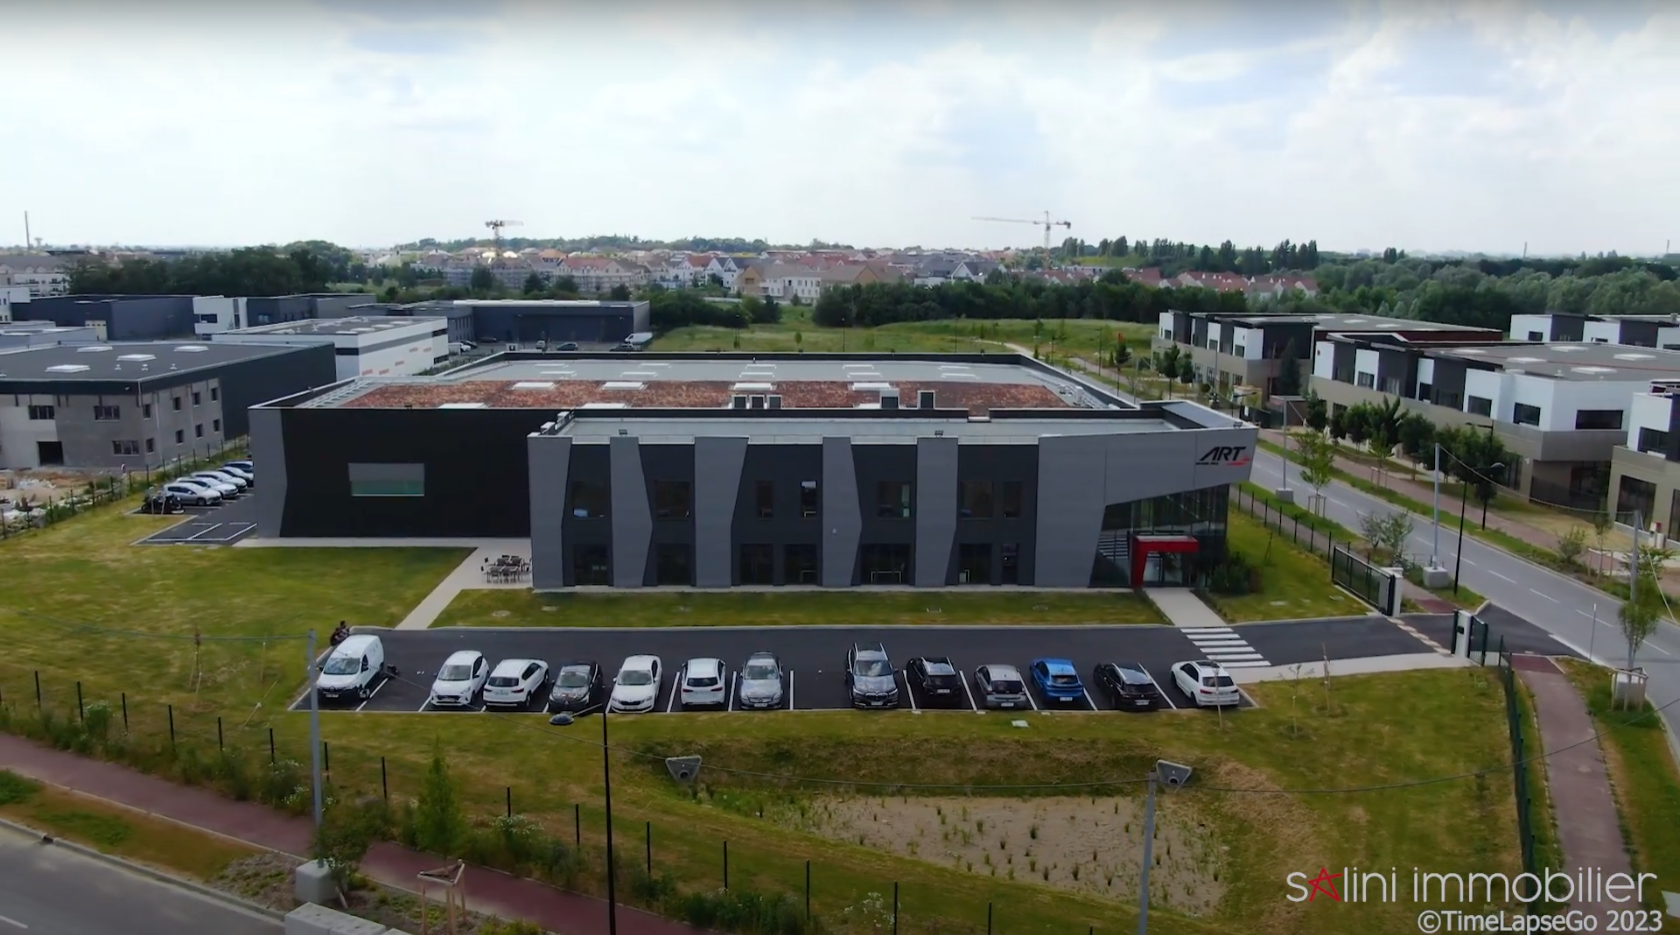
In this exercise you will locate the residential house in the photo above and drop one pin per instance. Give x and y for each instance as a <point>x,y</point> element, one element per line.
<point>1633,330</point>
<point>859,274</point>
<point>973,270</point>
<point>725,268</point>
<point>602,274</point>
<point>1645,467</point>
<point>794,284</point>
<point>1149,276</point>
<point>1277,285</point>
<point>42,275</point>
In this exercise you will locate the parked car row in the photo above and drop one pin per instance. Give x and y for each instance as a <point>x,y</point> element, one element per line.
<point>204,488</point>
<point>872,683</point>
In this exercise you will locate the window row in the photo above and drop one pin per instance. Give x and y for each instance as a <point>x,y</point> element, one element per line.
<point>674,500</point>
<point>132,446</point>
<point>879,563</point>
<point>104,413</point>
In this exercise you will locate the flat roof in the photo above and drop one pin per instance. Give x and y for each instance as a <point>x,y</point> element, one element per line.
<point>1341,321</point>
<point>132,360</point>
<point>1573,360</point>
<point>553,303</point>
<point>598,428</point>
<point>355,324</point>
<point>572,381</point>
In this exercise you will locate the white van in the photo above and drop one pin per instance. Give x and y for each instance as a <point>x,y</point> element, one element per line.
<point>353,669</point>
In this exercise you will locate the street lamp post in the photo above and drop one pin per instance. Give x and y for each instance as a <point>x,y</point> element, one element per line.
<point>563,720</point>
<point>1463,501</point>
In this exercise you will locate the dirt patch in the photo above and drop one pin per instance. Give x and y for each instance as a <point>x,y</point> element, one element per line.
<point>1086,845</point>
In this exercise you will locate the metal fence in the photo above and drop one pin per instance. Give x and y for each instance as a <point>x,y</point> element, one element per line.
<point>1519,752</point>
<point>26,514</point>
<point>1293,523</point>
<point>1361,579</point>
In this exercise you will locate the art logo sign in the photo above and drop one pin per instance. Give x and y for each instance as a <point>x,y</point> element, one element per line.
<point>1225,456</point>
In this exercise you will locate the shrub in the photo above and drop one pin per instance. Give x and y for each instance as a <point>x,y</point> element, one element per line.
<point>1571,544</point>
<point>15,788</point>
<point>1234,576</point>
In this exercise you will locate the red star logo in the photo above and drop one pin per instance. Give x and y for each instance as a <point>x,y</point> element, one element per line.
<point>1324,884</point>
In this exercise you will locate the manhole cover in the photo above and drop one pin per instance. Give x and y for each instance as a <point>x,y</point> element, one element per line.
<point>499,613</point>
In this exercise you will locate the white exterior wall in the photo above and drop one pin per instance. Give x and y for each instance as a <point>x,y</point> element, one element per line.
<point>1365,362</point>
<point>1324,360</point>
<point>1165,326</point>
<point>1521,325</point>
<point>19,433</point>
<point>12,298</point>
<point>1604,332</point>
<point>214,314</point>
<point>1425,374</point>
<point>1668,338</point>
<point>1530,391</point>
<point>415,355</point>
<point>1214,330</point>
<point>1647,412</point>
<point>1570,397</point>
<point>1485,383</point>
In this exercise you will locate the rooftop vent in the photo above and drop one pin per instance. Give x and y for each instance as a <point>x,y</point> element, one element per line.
<point>926,399</point>
<point>1527,360</point>
<point>1636,357</point>
<point>533,385</point>
<point>738,401</point>
<point>621,385</point>
<point>191,349</point>
<point>463,406</point>
<point>1594,371</point>
<point>1568,348</point>
<point>1471,350</point>
<point>773,401</point>
<point>755,402</point>
<point>752,387</point>
<point>138,357</point>
<point>889,400</point>
<point>607,406</point>
<point>871,387</point>
<point>67,368</point>
<point>90,349</point>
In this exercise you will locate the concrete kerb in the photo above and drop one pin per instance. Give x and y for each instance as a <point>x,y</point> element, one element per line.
<point>170,879</point>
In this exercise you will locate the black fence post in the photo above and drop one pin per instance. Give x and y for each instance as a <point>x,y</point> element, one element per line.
<point>648,833</point>
<point>726,865</point>
<point>384,784</point>
<point>39,705</point>
<point>577,825</point>
<point>509,790</point>
<point>807,891</point>
<point>271,757</point>
<point>125,711</point>
<point>220,746</point>
<point>171,709</point>
<point>326,757</point>
<point>895,908</point>
<point>81,710</point>
<point>988,919</point>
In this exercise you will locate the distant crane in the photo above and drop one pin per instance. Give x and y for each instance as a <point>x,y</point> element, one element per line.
<point>496,232</point>
<point>1047,223</point>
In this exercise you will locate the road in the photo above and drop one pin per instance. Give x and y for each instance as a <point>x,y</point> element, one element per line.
<point>49,890</point>
<point>1557,603</point>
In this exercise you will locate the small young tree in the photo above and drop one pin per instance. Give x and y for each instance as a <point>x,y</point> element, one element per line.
<point>1186,371</point>
<point>1602,523</point>
<point>1571,544</point>
<point>344,836</point>
<point>1317,458</point>
<point>440,821</point>
<point>1338,426</point>
<point>1318,412</point>
<point>1289,370</point>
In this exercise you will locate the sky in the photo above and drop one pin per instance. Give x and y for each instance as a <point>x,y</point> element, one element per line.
<point>1361,125</point>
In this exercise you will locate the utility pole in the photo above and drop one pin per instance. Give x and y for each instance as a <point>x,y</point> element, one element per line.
<point>27,243</point>
<point>1435,543</point>
<point>1633,569</point>
<point>315,729</point>
<point>1148,856</point>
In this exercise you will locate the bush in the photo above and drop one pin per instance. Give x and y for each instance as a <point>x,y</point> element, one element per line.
<point>1234,576</point>
<point>742,911</point>
<point>15,788</point>
<point>1571,544</point>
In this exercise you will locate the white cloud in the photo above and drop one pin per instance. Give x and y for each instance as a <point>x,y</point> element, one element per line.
<point>1425,126</point>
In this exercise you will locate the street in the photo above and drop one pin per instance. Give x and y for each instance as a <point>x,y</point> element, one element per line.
<point>47,889</point>
<point>1557,603</point>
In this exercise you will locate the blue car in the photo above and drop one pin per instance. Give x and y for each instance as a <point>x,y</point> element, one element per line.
<point>1058,680</point>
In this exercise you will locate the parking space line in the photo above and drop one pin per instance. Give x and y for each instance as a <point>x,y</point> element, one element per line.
<point>1088,700</point>
<point>208,529</point>
<point>424,705</point>
<point>964,680</point>
<point>1159,690</point>
<point>371,694</point>
<point>1030,699</point>
<point>729,703</point>
<point>671,703</point>
<point>910,693</point>
<point>790,690</point>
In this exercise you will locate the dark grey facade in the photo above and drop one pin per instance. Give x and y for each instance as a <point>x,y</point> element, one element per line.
<point>118,318</point>
<point>585,322</point>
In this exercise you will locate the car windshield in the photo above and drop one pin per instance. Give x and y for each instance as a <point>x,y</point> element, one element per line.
<point>757,671</point>
<point>452,673</point>
<point>572,678</point>
<point>503,681</point>
<point>342,665</point>
<point>636,677</point>
<point>866,668</point>
<point>940,668</point>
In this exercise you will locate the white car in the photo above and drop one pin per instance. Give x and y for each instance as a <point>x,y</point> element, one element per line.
<point>704,683</point>
<point>514,682</point>
<point>636,687</point>
<point>193,494</point>
<point>459,679</point>
<point>239,483</point>
<point>243,474</point>
<point>224,490</point>
<point>1206,683</point>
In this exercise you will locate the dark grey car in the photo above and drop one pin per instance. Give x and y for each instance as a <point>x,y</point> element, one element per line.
<point>760,685</point>
<point>870,679</point>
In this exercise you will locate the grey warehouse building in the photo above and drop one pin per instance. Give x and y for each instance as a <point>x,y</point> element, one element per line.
<point>527,321</point>
<point>794,469</point>
<point>117,317</point>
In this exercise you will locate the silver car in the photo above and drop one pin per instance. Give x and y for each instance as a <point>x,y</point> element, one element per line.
<point>761,681</point>
<point>870,677</point>
<point>1001,686</point>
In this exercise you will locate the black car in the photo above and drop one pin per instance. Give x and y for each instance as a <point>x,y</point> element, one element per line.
<point>936,680</point>
<point>578,686</point>
<point>162,503</point>
<point>1127,686</point>
<point>871,680</point>
<point>568,346</point>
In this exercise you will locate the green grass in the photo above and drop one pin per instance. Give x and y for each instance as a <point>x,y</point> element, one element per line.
<point>1643,773</point>
<point>504,608</point>
<point>797,332</point>
<point>1295,583</point>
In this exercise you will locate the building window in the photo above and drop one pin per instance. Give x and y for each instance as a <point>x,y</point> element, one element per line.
<point>1425,392</point>
<point>974,563</point>
<point>146,410</point>
<point>1524,414</point>
<point>151,446</point>
<point>1009,571</point>
<point>180,436</point>
<point>125,447</point>
<point>590,500</point>
<point>1478,406</point>
<point>1636,494</point>
<point>892,499</point>
<point>1366,380</point>
<point>215,393</point>
<point>799,564</point>
<point>177,401</point>
<point>1536,336</point>
<point>1654,441</point>
<point>1012,497</point>
<point>974,499</point>
<point>195,397</point>
<point>671,564</point>
<point>757,564</point>
<point>671,499</point>
<point>590,566</point>
<point>810,503</point>
<point>198,430</point>
<point>41,413</point>
<point>1598,419</point>
<point>766,494</point>
<point>387,480</point>
<point>215,425</point>
<point>106,414</point>
<point>885,563</point>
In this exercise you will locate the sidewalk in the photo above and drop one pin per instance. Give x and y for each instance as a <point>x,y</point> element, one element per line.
<point>1588,828</point>
<point>1183,609</point>
<point>487,891</point>
<point>467,575</point>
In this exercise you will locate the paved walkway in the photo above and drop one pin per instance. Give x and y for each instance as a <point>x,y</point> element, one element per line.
<point>487,891</point>
<point>1183,608</point>
<point>469,574</point>
<point>1588,828</point>
<point>1406,662</point>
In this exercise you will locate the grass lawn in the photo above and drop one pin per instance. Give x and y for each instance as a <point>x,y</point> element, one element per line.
<point>1295,583</point>
<point>117,831</point>
<point>1643,773</point>
<point>797,332</point>
<point>504,608</point>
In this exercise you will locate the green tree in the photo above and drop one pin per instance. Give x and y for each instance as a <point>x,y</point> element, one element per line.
<point>1339,425</point>
<point>1289,371</point>
<point>1602,523</point>
<point>1186,371</point>
<point>772,310</point>
<point>1317,458</point>
<point>345,834</point>
<point>533,284</point>
<point>440,820</point>
<point>619,293</point>
<point>1318,412</point>
<point>482,279</point>
<point>1417,438</point>
<point>1121,353</point>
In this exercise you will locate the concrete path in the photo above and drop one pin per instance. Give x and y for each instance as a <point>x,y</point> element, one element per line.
<point>468,575</point>
<point>392,865</point>
<point>1588,827</point>
<point>1409,662</point>
<point>1183,608</point>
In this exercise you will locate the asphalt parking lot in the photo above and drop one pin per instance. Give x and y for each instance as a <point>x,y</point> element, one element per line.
<point>223,524</point>
<point>1519,634</point>
<point>814,657</point>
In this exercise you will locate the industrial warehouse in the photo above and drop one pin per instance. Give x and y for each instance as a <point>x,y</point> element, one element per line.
<point>718,470</point>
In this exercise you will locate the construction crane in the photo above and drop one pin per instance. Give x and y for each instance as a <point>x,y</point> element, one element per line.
<point>1046,223</point>
<point>496,232</point>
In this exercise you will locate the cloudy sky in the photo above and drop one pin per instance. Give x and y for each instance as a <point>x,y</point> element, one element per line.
<point>370,122</point>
